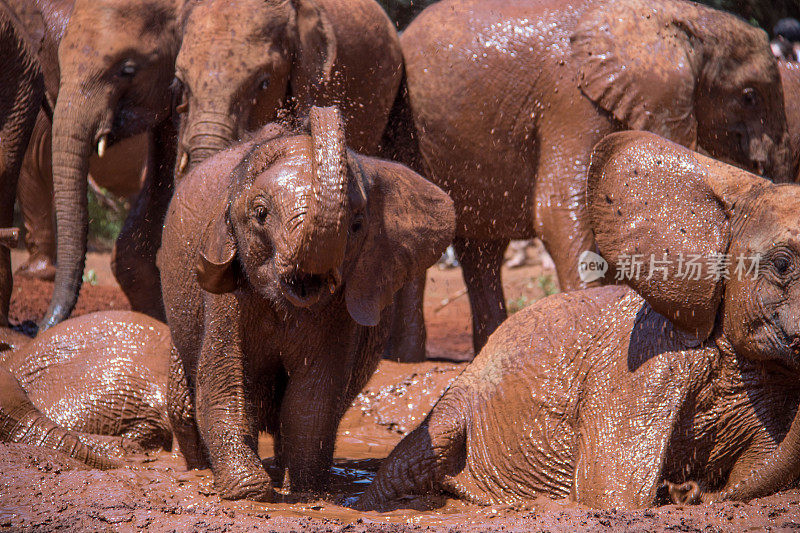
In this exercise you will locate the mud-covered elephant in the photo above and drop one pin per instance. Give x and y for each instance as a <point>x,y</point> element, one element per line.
<point>21,94</point>
<point>103,373</point>
<point>93,386</point>
<point>116,61</point>
<point>243,63</point>
<point>279,261</point>
<point>119,171</point>
<point>505,100</point>
<point>790,79</point>
<point>602,395</point>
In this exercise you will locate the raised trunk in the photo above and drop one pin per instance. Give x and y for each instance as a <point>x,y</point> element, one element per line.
<point>208,134</point>
<point>21,422</point>
<point>323,235</point>
<point>779,469</point>
<point>73,136</point>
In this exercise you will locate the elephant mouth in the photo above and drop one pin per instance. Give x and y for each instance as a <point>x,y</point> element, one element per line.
<point>304,290</point>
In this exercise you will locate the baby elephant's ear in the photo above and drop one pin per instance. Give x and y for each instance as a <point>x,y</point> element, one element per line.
<point>653,209</point>
<point>410,223</point>
<point>215,268</point>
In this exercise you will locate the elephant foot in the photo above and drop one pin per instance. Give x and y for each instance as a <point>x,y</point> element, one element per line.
<point>38,266</point>
<point>256,487</point>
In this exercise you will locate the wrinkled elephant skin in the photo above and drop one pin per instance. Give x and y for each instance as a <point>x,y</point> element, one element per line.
<point>103,373</point>
<point>507,98</point>
<point>21,92</point>
<point>279,261</point>
<point>603,395</point>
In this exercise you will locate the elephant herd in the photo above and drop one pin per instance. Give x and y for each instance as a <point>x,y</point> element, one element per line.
<point>297,166</point>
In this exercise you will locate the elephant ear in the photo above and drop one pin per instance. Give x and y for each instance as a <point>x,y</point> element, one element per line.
<point>28,19</point>
<point>410,222</point>
<point>315,52</point>
<point>639,60</point>
<point>651,198</point>
<point>215,269</point>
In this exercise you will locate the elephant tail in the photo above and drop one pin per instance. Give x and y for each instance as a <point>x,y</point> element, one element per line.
<point>399,142</point>
<point>423,460</point>
<point>22,422</point>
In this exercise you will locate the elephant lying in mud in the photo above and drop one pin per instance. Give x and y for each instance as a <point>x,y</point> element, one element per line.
<point>605,394</point>
<point>98,374</point>
<point>279,261</point>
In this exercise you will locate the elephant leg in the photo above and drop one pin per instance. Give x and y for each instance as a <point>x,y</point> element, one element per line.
<point>134,258</point>
<point>308,426</point>
<point>180,410</point>
<point>480,264</point>
<point>225,411</point>
<point>35,193</point>
<point>20,99</point>
<point>407,339</point>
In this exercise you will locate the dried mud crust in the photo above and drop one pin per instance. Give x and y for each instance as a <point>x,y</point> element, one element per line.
<point>46,491</point>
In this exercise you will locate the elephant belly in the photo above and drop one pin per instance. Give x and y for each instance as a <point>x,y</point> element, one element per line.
<point>478,85</point>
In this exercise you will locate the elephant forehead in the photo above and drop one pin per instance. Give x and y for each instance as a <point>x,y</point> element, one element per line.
<point>775,218</point>
<point>290,177</point>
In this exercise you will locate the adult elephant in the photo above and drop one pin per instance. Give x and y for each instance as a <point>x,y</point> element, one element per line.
<point>288,57</point>
<point>116,63</point>
<point>120,170</point>
<point>21,93</point>
<point>507,98</point>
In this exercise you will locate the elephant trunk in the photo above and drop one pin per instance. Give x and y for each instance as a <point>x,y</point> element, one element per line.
<point>780,166</point>
<point>73,139</point>
<point>322,236</point>
<point>780,469</point>
<point>22,422</point>
<point>208,134</point>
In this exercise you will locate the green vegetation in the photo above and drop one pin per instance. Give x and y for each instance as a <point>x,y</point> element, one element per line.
<point>106,215</point>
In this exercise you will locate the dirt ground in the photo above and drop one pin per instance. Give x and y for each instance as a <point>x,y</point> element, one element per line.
<point>44,491</point>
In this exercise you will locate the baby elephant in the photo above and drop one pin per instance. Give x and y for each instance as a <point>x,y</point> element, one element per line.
<point>101,374</point>
<point>279,261</point>
<point>687,380</point>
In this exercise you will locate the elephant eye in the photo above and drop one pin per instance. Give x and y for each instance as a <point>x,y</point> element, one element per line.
<point>261,213</point>
<point>264,83</point>
<point>357,223</point>
<point>128,70</point>
<point>750,97</point>
<point>781,262</point>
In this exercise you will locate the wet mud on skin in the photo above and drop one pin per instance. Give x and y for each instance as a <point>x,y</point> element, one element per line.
<point>44,491</point>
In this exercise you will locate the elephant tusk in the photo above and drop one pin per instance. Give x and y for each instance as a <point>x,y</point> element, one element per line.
<point>183,163</point>
<point>101,145</point>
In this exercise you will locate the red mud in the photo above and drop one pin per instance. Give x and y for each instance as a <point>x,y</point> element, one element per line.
<point>44,491</point>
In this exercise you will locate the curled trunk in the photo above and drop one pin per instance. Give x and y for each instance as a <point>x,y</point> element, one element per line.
<point>22,422</point>
<point>322,236</point>
<point>72,146</point>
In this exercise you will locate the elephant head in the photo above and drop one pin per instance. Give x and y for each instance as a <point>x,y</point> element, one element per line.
<point>239,66</point>
<point>305,218</point>
<point>651,198</point>
<point>697,76</point>
<point>117,61</point>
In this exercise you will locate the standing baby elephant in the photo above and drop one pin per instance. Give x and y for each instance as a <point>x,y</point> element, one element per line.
<point>279,261</point>
<point>508,97</point>
<point>602,395</point>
